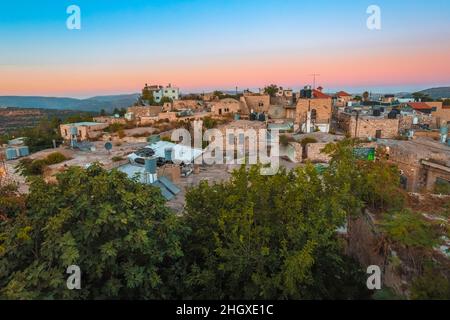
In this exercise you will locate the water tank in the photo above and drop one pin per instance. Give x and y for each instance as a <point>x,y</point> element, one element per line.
<point>444,130</point>
<point>24,151</point>
<point>415,120</point>
<point>261,117</point>
<point>73,131</point>
<point>237,116</point>
<point>11,154</point>
<point>376,112</point>
<point>306,93</point>
<point>168,154</point>
<point>252,116</point>
<point>392,115</point>
<point>150,165</point>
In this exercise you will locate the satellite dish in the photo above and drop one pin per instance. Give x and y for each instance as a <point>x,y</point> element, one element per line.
<point>108,146</point>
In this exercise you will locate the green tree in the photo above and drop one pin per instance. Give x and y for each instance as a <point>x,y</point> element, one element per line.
<point>271,90</point>
<point>147,96</point>
<point>118,232</point>
<point>366,96</point>
<point>11,201</point>
<point>267,237</point>
<point>420,96</point>
<point>165,100</point>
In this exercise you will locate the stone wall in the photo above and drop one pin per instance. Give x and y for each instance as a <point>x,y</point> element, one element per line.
<point>293,151</point>
<point>367,126</point>
<point>314,152</point>
<point>147,111</point>
<point>323,108</point>
<point>406,121</point>
<point>256,102</point>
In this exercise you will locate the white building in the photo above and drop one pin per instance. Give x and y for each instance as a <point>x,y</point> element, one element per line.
<point>169,92</point>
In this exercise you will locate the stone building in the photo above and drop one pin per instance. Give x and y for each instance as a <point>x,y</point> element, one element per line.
<point>414,121</point>
<point>440,112</point>
<point>82,131</point>
<point>423,162</point>
<point>342,98</point>
<point>253,102</point>
<point>187,104</point>
<point>312,105</point>
<point>225,106</point>
<point>159,92</point>
<point>365,126</point>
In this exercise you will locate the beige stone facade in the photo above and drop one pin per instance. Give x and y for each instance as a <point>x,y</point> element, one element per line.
<point>421,162</point>
<point>145,111</point>
<point>110,120</point>
<point>256,102</point>
<point>369,126</point>
<point>225,106</point>
<point>442,113</point>
<point>314,152</point>
<point>84,130</point>
<point>187,104</point>
<point>321,110</point>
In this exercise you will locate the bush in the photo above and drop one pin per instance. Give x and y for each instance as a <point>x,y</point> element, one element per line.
<point>54,158</point>
<point>117,159</point>
<point>431,285</point>
<point>29,167</point>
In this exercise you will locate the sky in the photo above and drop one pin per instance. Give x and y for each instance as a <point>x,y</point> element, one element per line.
<point>216,44</point>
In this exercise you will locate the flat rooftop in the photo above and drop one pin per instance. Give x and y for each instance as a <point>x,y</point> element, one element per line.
<point>86,123</point>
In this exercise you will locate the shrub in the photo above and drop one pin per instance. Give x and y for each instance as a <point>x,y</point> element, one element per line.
<point>117,159</point>
<point>29,167</point>
<point>54,158</point>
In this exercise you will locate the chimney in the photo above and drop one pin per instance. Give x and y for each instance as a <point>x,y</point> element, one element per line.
<point>319,89</point>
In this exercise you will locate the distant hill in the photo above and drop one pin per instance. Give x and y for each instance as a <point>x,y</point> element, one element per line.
<point>437,93</point>
<point>95,104</point>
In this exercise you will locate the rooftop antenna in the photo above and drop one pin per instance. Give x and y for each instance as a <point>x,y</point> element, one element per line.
<point>314,75</point>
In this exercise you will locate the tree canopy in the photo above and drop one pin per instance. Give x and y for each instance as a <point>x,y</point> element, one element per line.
<point>268,237</point>
<point>118,232</point>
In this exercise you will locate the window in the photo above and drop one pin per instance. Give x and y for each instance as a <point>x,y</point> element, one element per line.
<point>313,115</point>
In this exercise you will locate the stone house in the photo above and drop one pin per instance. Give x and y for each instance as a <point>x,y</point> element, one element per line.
<point>365,126</point>
<point>82,131</point>
<point>316,105</point>
<point>225,106</point>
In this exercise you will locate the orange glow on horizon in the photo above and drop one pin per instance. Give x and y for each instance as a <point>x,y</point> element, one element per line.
<point>364,68</point>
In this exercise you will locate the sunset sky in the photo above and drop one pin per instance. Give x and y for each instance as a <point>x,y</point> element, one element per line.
<point>212,44</point>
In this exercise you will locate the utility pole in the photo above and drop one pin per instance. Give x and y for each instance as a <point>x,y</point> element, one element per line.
<point>314,75</point>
